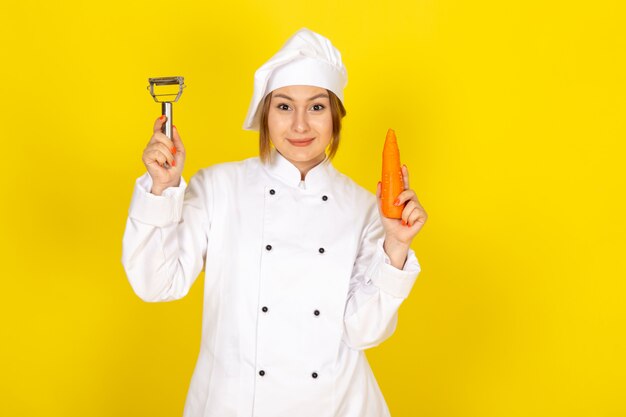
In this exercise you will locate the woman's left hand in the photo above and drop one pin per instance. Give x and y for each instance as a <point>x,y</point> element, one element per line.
<point>400,232</point>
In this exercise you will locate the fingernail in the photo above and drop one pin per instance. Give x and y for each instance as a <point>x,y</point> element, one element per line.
<point>174,126</point>
<point>403,222</point>
<point>396,202</point>
<point>162,117</point>
<point>174,150</point>
<point>173,162</point>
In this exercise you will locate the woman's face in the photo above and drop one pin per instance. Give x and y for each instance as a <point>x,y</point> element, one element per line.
<point>300,124</point>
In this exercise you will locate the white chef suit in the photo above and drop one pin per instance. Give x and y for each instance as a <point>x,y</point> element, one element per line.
<point>297,285</point>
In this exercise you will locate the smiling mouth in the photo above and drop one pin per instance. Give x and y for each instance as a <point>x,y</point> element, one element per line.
<point>300,142</point>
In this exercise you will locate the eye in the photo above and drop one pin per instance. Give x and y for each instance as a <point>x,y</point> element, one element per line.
<point>282,106</point>
<point>318,107</point>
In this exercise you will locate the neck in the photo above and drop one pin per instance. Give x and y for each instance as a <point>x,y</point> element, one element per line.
<point>306,166</point>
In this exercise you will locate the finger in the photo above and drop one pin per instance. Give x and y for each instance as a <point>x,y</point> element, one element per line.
<point>406,195</point>
<point>162,138</point>
<point>177,141</point>
<point>408,209</point>
<point>161,150</point>
<point>417,216</point>
<point>410,219</point>
<point>155,156</point>
<point>378,198</point>
<point>167,152</point>
<point>405,176</point>
<point>158,123</point>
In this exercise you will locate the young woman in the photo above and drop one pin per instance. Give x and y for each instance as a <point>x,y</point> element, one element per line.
<point>302,271</point>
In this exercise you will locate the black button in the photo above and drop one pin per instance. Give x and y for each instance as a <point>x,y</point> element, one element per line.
<point>268,247</point>
<point>316,312</point>
<point>261,372</point>
<point>264,309</point>
<point>324,198</point>
<point>314,374</point>
<point>272,192</point>
<point>321,250</point>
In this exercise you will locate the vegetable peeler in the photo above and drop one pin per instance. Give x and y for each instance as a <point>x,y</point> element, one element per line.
<point>166,92</point>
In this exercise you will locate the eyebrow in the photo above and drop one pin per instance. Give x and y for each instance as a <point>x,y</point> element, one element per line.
<point>311,99</point>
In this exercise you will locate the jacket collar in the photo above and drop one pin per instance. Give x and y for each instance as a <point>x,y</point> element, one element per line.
<point>318,177</point>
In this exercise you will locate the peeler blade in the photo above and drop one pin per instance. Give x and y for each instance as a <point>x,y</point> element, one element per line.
<point>170,95</point>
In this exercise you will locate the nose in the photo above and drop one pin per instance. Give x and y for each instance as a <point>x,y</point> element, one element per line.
<point>300,120</point>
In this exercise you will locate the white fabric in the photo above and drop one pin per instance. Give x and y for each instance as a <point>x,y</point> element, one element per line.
<point>307,58</point>
<point>221,222</point>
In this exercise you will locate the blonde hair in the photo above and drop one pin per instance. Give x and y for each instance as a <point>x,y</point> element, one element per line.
<point>337,112</point>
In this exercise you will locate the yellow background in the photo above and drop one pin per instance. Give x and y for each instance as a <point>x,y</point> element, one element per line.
<point>509,115</point>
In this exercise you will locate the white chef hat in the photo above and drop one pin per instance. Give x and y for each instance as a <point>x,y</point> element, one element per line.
<point>307,58</point>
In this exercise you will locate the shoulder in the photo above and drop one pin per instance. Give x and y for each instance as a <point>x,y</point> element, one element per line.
<point>227,171</point>
<point>348,189</point>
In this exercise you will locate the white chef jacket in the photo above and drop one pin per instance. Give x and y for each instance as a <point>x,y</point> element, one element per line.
<point>297,285</point>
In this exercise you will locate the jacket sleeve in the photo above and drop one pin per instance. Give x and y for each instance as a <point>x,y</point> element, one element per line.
<point>165,240</point>
<point>376,290</point>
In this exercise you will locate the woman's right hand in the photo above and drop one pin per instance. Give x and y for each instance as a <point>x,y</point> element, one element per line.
<point>161,149</point>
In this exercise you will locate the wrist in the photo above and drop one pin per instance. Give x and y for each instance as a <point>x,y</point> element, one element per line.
<point>158,189</point>
<point>395,245</point>
<point>396,251</point>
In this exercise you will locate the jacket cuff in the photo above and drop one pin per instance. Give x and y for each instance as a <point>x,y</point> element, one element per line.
<point>394,281</point>
<point>156,210</point>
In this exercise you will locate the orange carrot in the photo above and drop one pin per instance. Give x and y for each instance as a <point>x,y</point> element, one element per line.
<point>392,183</point>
